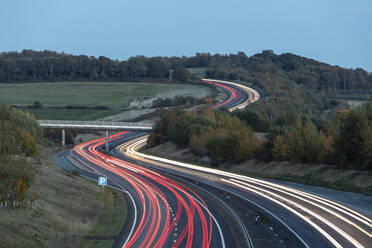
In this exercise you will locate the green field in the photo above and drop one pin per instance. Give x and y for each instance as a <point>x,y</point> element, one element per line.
<point>115,95</point>
<point>71,114</point>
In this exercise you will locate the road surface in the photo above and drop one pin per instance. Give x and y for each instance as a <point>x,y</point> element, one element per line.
<point>166,213</point>
<point>316,220</point>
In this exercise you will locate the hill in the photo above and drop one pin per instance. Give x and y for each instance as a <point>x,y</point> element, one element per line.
<point>292,83</point>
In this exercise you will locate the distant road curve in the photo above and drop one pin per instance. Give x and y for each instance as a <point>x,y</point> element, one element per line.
<point>240,96</point>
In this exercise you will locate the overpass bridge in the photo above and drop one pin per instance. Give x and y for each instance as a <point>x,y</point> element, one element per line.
<point>96,125</point>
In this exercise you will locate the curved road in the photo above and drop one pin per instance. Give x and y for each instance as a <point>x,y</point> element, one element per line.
<point>315,220</point>
<point>166,213</point>
<point>169,214</point>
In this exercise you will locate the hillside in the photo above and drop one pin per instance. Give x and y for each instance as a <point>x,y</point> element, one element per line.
<point>41,206</point>
<point>292,83</point>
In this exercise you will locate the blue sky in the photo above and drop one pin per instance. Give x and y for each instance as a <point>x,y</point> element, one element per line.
<point>338,32</point>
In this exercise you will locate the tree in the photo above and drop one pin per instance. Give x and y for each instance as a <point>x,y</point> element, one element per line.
<point>37,104</point>
<point>280,148</point>
<point>181,74</point>
<point>367,151</point>
<point>21,189</point>
<point>223,147</point>
<point>301,143</point>
<point>137,66</point>
<point>349,143</point>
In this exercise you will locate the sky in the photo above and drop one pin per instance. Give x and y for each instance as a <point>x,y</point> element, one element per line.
<point>338,32</point>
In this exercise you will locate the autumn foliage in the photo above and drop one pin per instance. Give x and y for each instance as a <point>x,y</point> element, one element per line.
<point>223,137</point>
<point>19,134</point>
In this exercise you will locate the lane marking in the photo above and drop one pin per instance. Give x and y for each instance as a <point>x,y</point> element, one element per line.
<point>322,219</point>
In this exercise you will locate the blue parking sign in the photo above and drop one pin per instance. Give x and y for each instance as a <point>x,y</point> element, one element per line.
<point>102,181</point>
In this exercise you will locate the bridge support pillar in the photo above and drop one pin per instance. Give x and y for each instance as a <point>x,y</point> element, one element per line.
<point>107,140</point>
<point>63,137</point>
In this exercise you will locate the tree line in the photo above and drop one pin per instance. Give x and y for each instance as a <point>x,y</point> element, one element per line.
<point>261,68</point>
<point>290,82</point>
<point>31,66</point>
<point>345,141</point>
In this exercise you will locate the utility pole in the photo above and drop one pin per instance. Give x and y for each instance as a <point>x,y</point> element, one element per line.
<point>170,78</point>
<point>63,137</point>
<point>107,139</point>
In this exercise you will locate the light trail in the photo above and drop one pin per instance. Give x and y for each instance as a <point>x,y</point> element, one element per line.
<point>150,231</point>
<point>317,201</point>
<point>236,91</point>
<point>258,191</point>
<point>157,193</point>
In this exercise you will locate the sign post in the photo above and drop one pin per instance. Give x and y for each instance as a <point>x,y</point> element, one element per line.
<point>103,182</point>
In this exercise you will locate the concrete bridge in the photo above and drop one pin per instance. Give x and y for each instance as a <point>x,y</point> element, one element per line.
<point>97,125</point>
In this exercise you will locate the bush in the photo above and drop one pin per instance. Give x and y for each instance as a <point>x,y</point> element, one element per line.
<point>205,131</point>
<point>16,176</point>
<point>301,143</point>
<point>223,147</point>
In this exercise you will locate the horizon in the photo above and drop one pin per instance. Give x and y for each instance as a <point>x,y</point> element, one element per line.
<point>335,32</point>
<point>126,59</point>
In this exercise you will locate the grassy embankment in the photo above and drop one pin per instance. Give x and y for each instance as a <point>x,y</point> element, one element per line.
<point>67,209</point>
<point>319,175</point>
<point>117,96</point>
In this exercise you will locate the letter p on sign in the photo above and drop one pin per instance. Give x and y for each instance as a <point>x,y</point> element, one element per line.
<point>102,181</point>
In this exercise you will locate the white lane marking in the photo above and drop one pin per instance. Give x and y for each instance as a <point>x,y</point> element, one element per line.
<point>242,226</point>
<point>312,203</point>
<point>266,210</point>
<point>215,220</point>
<point>206,209</point>
<point>134,144</point>
<point>123,190</point>
<point>365,220</point>
<point>141,142</point>
<point>134,222</point>
<point>339,207</point>
<point>317,216</point>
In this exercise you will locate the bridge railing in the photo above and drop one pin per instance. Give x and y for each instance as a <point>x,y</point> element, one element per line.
<point>94,124</point>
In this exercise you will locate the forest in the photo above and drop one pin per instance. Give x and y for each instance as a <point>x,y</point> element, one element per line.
<point>265,69</point>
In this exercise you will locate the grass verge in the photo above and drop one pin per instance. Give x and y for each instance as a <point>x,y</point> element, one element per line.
<point>67,209</point>
<point>110,222</point>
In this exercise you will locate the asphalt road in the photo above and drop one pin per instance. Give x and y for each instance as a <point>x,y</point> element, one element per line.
<point>316,220</point>
<point>164,213</point>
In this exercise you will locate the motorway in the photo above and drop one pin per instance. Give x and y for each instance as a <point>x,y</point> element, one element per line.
<point>168,213</point>
<point>240,96</point>
<point>314,220</point>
